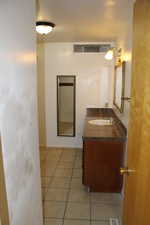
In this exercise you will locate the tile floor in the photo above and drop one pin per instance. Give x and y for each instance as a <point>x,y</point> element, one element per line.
<point>65,200</point>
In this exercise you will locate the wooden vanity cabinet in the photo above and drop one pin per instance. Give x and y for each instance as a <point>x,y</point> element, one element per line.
<point>102,160</point>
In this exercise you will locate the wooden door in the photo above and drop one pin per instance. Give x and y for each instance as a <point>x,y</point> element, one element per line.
<point>4,218</point>
<point>137,183</point>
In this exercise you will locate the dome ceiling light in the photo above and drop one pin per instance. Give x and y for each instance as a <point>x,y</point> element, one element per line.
<point>44,27</point>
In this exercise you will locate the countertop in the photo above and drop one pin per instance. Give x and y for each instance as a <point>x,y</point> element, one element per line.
<point>116,131</point>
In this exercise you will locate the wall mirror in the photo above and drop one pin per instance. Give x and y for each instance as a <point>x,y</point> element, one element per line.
<point>119,86</point>
<point>66,105</point>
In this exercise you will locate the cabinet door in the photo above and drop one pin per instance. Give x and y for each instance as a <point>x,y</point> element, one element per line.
<point>102,162</point>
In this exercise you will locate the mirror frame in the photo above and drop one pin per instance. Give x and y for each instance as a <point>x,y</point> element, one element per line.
<point>120,108</point>
<point>74,108</point>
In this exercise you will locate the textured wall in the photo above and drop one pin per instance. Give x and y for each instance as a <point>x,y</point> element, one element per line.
<point>18,111</point>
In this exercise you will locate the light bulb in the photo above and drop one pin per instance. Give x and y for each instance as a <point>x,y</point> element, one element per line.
<point>42,29</point>
<point>109,55</point>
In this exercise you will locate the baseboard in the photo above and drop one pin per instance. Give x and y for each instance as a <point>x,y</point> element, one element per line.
<point>59,147</point>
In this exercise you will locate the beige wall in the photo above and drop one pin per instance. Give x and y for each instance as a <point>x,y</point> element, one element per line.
<point>125,42</point>
<point>94,87</point>
<point>41,94</point>
<point>18,111</point>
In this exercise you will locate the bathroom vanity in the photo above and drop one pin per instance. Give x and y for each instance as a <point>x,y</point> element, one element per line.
<point>103,150</point>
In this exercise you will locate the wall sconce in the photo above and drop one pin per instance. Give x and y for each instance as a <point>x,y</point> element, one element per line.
<point>112,52</point>
<point>44,27</point>
<point>119,55</point>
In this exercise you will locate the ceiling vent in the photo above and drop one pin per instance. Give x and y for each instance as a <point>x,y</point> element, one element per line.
<point>91,48</point>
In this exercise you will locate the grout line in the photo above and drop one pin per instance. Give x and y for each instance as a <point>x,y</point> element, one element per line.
<point>59,188</point>
<point>69,189</point>
<point>66,201</point>
<point>74,219</point>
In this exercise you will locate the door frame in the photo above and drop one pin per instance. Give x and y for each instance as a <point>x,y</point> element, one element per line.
<point>4,215</point>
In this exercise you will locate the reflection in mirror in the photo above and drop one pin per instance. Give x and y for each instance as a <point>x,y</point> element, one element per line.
<point>119,86</point>
<point>66,106</point>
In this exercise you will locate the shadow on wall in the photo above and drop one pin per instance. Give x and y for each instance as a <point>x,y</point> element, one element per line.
<point>41,94</point>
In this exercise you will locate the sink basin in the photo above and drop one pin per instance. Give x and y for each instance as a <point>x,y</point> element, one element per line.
<point>101,122</point>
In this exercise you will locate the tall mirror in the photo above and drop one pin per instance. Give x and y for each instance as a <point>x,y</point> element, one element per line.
<point>66,105</point>
<point>119,86</point>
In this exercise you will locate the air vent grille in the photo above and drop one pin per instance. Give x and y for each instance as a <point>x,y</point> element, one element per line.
<point>91,48</point>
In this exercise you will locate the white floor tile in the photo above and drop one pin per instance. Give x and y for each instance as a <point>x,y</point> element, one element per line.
<point>76,183</point>
<point>54,194</point>
<point>59,182</point>
<point>65,165</point>
<point>63,172</point>
<point>113,198</point>
<point>77,211</point>
<point>54,209</point>
<point>53,222</point>
<point>104,211</point>
<point>79,195</point>
<point>100,223</point>
<point>77,173</point>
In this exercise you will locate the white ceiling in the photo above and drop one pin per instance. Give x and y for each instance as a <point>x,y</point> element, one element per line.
<point>85,20</point>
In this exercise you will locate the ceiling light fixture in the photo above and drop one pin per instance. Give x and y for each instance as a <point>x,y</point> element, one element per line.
<point>44,27</point>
